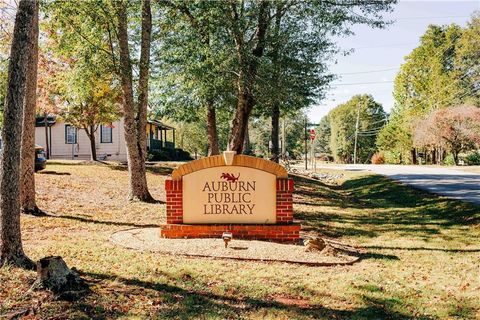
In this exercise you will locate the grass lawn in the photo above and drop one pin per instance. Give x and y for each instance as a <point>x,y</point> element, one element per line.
<point>421,257</point>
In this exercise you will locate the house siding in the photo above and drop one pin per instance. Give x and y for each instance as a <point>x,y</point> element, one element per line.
<point>116,150</point>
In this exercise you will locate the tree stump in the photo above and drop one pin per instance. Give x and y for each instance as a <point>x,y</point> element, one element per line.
<point>54,275</point>
<point>315,244</point>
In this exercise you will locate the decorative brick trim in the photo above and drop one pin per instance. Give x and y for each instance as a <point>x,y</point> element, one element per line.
<point>174,190</point>
<point>239,160</point>
<point>279,233</point>
<point>285,200</point>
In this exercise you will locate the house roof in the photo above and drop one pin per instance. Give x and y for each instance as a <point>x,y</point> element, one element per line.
<point>161,125</point>
<point>40,121</point>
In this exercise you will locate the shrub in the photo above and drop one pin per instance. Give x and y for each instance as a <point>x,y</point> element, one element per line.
<point>449,161</point>
<point>378,158</point>
<point>473,159</point>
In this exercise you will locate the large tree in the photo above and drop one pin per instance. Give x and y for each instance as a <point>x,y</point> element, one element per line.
<point>457,129</point>
<point>135,110</point>
<point>467,58</point>
<point>114,29</point>
<point>27,177</point>
<point>11,250</point>
<point>440,72</point>
<point>343,120</point>
<point>194,66</point>
<point>254,28</point>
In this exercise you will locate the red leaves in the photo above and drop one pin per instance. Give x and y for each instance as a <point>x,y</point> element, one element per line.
<point>229,177</point>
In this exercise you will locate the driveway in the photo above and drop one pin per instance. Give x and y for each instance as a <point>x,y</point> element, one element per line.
<point>453,183</point>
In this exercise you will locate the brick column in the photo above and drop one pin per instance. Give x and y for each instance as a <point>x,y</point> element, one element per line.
<point>284,200</point>
<point>174,201</point>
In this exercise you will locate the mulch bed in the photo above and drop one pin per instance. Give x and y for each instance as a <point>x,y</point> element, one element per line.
<point>148,239</point>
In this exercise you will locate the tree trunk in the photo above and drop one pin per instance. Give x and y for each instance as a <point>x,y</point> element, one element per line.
<point>135,115</point>
<point>246,142</point>
<point>455,156</point>
<point>240,123</point>
<point>11,250</point>
<point>93,148</point>
<point>274,152</point>
<point>247,77</point>
<point>27,177</point>
<point>414,156</point>
<point>212,130</point>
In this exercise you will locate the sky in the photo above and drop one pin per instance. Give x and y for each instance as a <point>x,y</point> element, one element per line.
<point>379,53</point>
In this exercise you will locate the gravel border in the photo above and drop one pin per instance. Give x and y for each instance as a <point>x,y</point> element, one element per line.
<point>148,239</point>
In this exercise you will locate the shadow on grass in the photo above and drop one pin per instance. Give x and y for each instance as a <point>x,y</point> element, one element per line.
<point>379,256</point>
<point>163,171</point>
<point>119,167</point>
<point>54,173</point>
<point>180,303</point>
<point>422,249</point>
<point>379,205</point>
<point>110,223</point>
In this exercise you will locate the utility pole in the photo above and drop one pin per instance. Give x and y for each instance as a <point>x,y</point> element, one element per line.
<point>356,136</point>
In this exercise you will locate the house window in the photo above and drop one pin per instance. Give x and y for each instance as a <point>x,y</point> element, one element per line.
<point>105,134</point>
<point>70,134</point>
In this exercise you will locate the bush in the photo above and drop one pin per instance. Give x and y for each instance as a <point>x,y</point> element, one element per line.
<point>473,159</point>
<point>448,161</point>
<point>378,158</point>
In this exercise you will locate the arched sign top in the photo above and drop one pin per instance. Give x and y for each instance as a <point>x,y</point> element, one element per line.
<point>238,160</point>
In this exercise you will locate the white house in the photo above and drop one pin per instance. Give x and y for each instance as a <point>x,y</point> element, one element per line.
<point>63,141</point>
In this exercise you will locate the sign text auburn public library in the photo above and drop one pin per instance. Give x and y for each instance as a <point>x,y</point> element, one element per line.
<point>229,197</point>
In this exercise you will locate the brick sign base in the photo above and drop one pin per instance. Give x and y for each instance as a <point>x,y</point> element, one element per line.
<point>274,232</point>
<point>284,230</point>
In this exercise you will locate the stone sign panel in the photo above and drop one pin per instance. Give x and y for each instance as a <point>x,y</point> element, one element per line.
<point>249,197</point>
<point>230,194</point>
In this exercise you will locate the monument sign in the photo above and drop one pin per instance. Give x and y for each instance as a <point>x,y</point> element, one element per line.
<point>247,196</point>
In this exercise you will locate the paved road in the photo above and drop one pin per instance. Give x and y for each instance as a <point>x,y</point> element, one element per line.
<point>452,183</point>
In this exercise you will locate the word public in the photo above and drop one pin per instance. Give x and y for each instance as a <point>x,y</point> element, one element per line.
<point>229,197</point>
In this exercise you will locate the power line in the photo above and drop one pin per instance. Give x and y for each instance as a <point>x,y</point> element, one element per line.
<point>381,82</point>
<point>359,83</point>
<point>441,17</point>
<point>371,71</point>
<point>386,46</point>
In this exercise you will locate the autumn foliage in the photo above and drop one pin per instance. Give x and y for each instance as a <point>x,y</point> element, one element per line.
<point>378,158</point>
<point>456,129</point>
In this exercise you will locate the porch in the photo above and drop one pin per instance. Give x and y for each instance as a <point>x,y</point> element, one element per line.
<point>159,135</point>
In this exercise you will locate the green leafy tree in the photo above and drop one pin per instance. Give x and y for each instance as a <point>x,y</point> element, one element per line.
<point>343,119</point>
<point>467,58</point>
<point>252,27</point>
<point>91,100</point>
<point>260,129</point>
<point>442,71</point>
<point>192,72</point>
<point>323,136</point>
<point>121,30</point>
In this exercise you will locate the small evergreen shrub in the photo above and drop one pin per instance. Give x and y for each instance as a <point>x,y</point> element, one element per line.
<point>448,161</point>
<point>473,159</point>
